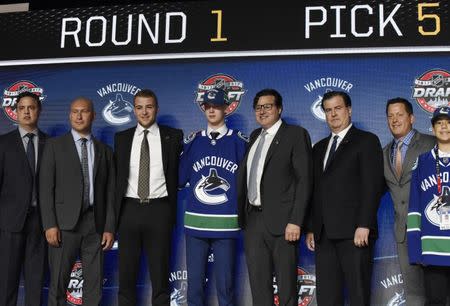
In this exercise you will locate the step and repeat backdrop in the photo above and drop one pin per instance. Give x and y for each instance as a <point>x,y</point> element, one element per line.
<point>373,50</point>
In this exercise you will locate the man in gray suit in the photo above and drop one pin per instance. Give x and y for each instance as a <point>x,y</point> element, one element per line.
<point>399,157</point>
<point>76,197</point>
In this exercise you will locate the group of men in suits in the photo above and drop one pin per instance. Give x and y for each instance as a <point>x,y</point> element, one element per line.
<point>80,193</point>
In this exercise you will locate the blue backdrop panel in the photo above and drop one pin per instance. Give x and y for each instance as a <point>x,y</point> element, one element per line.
<point>369,80</point>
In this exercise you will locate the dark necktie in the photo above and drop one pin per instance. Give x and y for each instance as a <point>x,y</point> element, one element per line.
<point>32,162</point>
<point>332,151</point>
<point>252,183</point>
<point>144,169</point>
<point>214,135</point>
<point>85,169</point>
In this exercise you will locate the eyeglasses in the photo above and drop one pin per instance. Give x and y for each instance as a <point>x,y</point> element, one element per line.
<point>266,107</point>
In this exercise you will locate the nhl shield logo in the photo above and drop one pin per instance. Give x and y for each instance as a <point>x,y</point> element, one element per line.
<point>233,88</point>
<point>211,189</point>
<point>432,89</point>
<point>75,288</point>
<point>10,97</point>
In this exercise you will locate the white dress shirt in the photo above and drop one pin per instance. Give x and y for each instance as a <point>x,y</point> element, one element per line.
<point>223,130</point>
<point>341,136</point>
<point>271,132</point>
<point>158,187</point>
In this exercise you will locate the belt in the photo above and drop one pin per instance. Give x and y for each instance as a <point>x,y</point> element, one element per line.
<point>145,201</point>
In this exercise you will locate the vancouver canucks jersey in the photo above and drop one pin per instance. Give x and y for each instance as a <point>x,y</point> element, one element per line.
<point>209,166</point>
<point>427,242</point>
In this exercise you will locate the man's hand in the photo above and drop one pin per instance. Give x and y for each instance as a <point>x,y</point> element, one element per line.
<point>309,241</point>
<point>107,241</point>
<point>53,236</point>
<point>361,237</point>
<point>292,232</point>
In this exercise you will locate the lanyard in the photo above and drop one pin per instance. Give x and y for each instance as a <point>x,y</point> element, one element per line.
<point>438,170</point>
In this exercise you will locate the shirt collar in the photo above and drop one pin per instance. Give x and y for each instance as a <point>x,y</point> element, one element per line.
<point>77,137</point>
<point>222,131</point>
<point>274,128</point>
<point>23,132</point>
<point>406,139</point>
<point>342,133</point>
<point>152,129</point>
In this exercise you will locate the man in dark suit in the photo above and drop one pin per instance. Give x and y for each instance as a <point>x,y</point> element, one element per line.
<point>22,243</point>
<point>76,196</point>
<point>348,184</point>
<point>147,159</point>
<point>399,157</point>
<point>274,187</point>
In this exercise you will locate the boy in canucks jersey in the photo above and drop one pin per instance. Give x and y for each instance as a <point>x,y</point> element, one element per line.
<point>209,164</point>
<point>428,225</point>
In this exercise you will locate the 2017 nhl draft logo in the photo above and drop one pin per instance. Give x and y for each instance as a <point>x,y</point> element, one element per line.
<point>306,284</point>
<point>211,189</point>
<point>320,86</point>
<point>10,96</point>
<point>118,110</point>
<point>75,288</point>
<point>432,89</point>
<point>233,88</point>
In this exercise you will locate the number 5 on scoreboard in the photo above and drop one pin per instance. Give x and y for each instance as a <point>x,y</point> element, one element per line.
<point>219,27</point>
<point>435,17</point>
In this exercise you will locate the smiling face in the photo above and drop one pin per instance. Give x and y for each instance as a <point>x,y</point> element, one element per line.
<point>267,112</point>
<point>400,122</point>
<point>81,116</point>
<point>338,115</point>
<point>28,112</point>
<point>145,110</point>
<point>441,129</point>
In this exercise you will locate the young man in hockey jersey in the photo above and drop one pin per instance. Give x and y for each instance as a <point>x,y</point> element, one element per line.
<point>209,163</point>
<point>428,225</point>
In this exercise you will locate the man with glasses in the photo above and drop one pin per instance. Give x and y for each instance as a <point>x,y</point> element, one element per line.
<point>274,186</point>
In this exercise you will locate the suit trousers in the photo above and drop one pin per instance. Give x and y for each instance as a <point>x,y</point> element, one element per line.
<point>339,262</point>
<point>85,242</point>
<point>23,251</point>
<point>412,277</point>
<point>144,227</point>
<point>197,252</point>
<point>269,254</point>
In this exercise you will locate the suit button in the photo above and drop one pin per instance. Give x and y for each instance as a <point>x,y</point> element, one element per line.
<point>403,202</point>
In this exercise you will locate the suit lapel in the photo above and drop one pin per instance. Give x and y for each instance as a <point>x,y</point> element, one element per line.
<point>97,156</point>
<point>42,139</point>
<point>347,138</point>
<point>20,147</point>
<point>165,147</point>
<point>410,153</point>
<point>274,145</point>
<point>387,156</point>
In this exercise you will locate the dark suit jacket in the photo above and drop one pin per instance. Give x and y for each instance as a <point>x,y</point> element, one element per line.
<point>16,180</point>
<point>347,194</point>
<point>399,186</point>
<point>61,185</point>
<point>286,182</point>
<point>171,145</point>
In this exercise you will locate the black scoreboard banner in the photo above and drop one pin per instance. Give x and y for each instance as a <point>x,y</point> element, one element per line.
<point>226,28</point>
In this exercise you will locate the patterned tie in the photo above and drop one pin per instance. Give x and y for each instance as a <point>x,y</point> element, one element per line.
<point>85,170</point>
<point>332,151</point>
<point>144,169</point>
<point>252,183</point>
<point>32,162</point>
<point>398,159</point>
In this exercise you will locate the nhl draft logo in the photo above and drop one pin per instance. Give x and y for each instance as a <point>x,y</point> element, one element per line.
<point>232,87</point>
<point>433,210</point>
<point>10,97</point>
<point>74,291</point>
<point>306,284</point>
<point>119,107</point>
<point>211,189</point>
<point>320,86</point>
<point>432,89</point>
<point>397,300</point>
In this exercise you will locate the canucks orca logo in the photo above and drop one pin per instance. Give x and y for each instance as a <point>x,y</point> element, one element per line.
<point>118,112</point>
<point>178,296</point>
<point>397,300</point>
<point>211,190</point>
<point>316,109</point>
<point>433,209</point>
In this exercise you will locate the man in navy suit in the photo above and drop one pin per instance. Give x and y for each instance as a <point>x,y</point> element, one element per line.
<point>22,242</point>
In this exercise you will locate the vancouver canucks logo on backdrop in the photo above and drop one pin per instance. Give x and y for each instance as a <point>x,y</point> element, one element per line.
<point>397,300</point>
<point>119,106</point>
<point>433,209</point>
<point>320,86</point>
<point>211,189</point>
